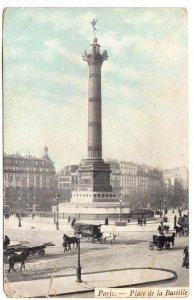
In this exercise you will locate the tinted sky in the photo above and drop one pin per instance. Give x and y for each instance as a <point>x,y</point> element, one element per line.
<point>144,83</point>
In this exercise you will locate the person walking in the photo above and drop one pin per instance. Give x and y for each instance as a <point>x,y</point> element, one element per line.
<point>185,258</point>
<point>175,218</point>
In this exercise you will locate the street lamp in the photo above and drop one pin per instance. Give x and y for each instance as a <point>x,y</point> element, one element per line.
<point>33,206</point>
<point>78,269</point>
<point>20,214</point>
<point>54,216</point>
<point>164,206</point>
<point>120,202</point>
<point>57,207</point>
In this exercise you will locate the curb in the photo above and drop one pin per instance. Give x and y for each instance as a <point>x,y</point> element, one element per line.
<point>146,283</point>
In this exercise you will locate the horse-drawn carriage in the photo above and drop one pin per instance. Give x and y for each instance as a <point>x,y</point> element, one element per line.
<point>89,231</point>
<point>38,250</point>
<point>161,241</point>
<point>18,254</point>
<point>183,223</point>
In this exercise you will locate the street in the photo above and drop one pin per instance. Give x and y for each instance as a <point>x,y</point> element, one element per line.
<point>131,244</point>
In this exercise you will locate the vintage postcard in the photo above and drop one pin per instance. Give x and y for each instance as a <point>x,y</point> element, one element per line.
<point>95,162</point>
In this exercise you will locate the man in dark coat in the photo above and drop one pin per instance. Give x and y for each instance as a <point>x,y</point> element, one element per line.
<point>186,257</point>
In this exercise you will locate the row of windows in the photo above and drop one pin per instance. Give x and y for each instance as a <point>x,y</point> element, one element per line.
<point>27,169</point>
<point>64,185</point>
<point>128,167</point>
<point>24,162</point>
<point>130,184</point>
<point>31,184</point>
<point>66,179</point>
<point>97,195</point>
<point>24,176</point>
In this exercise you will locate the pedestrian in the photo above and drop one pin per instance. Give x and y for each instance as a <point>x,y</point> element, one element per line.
<point>79,233</point>
<point>144,222</point>
<point>33,216</point>
<point>106,221</point>
<point>185,258</point>
<point>6,242</point>
<point>141,222</point>
<point>175,218</point>
<point>73,222</point>
<point>69,219</point>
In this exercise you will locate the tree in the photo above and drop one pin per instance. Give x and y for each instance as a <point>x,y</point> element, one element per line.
<point>179,198</point>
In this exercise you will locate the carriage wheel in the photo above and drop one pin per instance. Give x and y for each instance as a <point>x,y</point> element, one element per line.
<point>159,247</point>
<point>41,252</point>
<point>167,245</point>
<point>151,246</point>
<point>33,252</point>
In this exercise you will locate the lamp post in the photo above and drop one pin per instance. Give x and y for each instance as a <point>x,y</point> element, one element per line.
<point>33,206</point>
<point>120,202</point>
<point>78,269</point>
<point>54,216</point>
<point>20,214</point>
<point>57,213</point>
<point>164,206</point>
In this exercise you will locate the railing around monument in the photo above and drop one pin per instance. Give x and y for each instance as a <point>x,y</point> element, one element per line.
<point>44,214</point>
<point>133,215</point>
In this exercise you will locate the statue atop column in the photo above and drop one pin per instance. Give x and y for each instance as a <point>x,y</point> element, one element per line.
<point>94,21</point>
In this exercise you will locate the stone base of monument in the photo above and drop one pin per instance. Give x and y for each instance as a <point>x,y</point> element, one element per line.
<point>94,211</point>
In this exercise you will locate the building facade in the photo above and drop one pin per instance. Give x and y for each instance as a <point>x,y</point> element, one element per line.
<point>180,174</point>
<point>28,179</point>
<point>138,185</point>
<point>67,181</point>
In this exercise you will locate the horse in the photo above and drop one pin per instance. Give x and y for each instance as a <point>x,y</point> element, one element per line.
<point>70,240</point>
<point>179,230</point>
<point>14,258</point>
<point>112,237</point>
<point>66,246</point>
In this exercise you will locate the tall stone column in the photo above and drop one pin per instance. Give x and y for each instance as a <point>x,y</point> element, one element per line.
<point>94,60</point>
<point>93,173</point>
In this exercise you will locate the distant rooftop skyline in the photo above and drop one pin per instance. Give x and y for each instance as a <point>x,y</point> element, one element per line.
<point>144,83</point>
<point>40,157</point>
